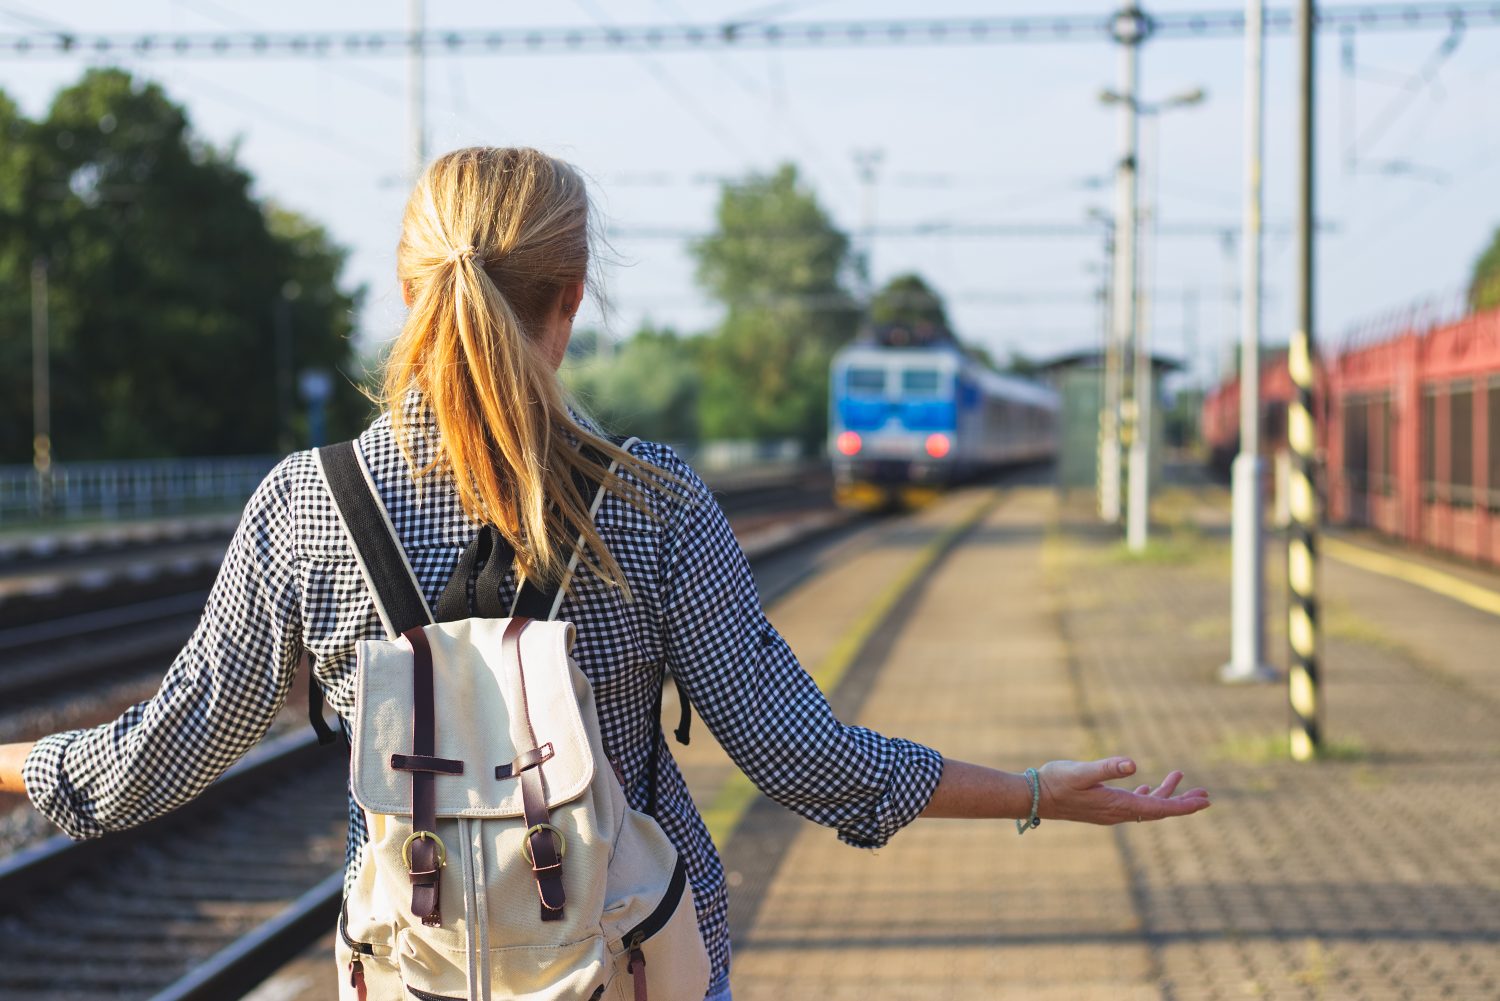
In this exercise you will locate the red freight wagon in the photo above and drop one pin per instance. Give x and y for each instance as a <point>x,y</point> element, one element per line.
<point>1410,433</point>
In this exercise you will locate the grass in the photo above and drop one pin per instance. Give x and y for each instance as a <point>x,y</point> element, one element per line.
<point>1265,749</point>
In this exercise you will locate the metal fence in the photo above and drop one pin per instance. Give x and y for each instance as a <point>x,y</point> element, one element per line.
<point>151,488</point>
<point>138,489</point>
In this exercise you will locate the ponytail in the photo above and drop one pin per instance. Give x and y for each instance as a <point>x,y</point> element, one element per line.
<point>491,241</point>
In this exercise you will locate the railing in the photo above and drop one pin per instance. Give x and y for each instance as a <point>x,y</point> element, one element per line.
<point>143,488</point>
<point>150,488</point>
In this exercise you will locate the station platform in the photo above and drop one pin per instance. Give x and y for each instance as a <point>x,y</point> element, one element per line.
<point>1371,874</point>
<point>1005,627</point>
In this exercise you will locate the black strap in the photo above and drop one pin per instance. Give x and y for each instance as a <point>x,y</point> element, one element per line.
<point>326,734</point>
<point>492,556</point>
<point>370,532</point>
<point>683,733</point>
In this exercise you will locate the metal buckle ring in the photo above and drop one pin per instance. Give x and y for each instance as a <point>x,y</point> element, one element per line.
<point>429,836</point>
<point>562,842</point>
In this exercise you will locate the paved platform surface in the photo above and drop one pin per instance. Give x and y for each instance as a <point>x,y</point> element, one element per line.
<point>1372,875</point>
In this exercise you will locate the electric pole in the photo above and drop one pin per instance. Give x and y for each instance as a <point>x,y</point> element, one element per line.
<point>416,90</point>
<point>1130,27</point>
<point>1247,643</point>
<point>41,386</point>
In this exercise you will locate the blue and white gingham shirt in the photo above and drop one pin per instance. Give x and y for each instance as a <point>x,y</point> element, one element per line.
<point>290,583</point>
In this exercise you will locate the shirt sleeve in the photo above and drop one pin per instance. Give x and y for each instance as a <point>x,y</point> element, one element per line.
<point>762,707</point>
<point>216,701</point>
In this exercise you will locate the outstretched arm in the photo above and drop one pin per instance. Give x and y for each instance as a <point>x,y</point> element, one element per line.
<point>12,757</point>
<point>1070,790</point>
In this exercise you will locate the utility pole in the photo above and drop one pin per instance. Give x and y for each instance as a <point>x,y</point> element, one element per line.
<point>867,165</point>
<point>1247,643</point>
<point>1108,466</point>
<point>416,90</point>
<point>1138,527</point>
<point>1302,547</point>
<point>1130,26</point>
<point>41,386</point>
<point>281,325</point>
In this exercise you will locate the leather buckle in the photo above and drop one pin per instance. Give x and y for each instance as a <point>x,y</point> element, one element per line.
<point>562,843</point>
<point>442,852</point>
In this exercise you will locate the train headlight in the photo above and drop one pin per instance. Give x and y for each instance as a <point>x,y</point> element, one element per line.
<point>848,443</point>
<point>938,445</point>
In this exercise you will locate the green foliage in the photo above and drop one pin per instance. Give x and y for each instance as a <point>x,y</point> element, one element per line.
<point>777,262</point>
<point>909,301</point>
<point>1484,284</point>
<point>168,282</point>
<point>1023,365</point>
<point>647,386</point>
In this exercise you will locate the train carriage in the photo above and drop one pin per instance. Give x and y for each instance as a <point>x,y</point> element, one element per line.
<point>912,412</point>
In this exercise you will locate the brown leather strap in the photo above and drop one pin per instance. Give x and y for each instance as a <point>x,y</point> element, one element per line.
<point>637,970</point>
<point>425,864</point>
<point>426,763</point>
<point>524,760</point>
<point>546,863</point>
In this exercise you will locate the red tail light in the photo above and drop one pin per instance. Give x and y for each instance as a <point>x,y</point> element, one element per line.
<point>938,445</point>
<point>848,443</point>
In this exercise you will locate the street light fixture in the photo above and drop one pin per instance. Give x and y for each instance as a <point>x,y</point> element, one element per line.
<point>1131,26</point>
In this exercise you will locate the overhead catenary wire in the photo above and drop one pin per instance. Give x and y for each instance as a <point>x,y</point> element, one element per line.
<point>865,33</point>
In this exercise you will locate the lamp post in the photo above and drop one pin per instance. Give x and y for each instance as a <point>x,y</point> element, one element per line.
<point>1130,27</point>
<point>1247,643</point>
<point>1129,320</point>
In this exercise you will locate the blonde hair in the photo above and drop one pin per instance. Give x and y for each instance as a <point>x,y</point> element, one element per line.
<point>490,240</point>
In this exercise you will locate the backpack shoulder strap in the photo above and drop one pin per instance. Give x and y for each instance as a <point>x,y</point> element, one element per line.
<point>535,602</point>
<point>382,561</point>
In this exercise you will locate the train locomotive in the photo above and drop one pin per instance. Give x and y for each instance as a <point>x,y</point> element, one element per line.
<point>912,412</point>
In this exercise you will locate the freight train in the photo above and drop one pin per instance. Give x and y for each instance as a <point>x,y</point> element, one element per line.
<point>1408,430</point>
<point>912,412</point>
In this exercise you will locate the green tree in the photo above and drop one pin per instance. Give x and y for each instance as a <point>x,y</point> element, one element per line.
<point>181,308</point>
<point>647,386</point>
<point>908,300</point>
<point>778,263</point>
<point>1484,284</point>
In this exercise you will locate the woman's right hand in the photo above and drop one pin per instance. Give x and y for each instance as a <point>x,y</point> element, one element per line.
<point>12,757</point>
<point>1076,790</point>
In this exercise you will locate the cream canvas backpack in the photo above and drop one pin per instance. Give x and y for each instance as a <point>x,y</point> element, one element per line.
<point>503,860</point>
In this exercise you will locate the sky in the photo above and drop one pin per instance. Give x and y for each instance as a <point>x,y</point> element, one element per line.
<point>1408,141</point>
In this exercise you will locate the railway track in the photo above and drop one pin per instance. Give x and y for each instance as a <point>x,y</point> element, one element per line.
<point>206,901</point>
<point>128,915</point>
<point>70,619</point>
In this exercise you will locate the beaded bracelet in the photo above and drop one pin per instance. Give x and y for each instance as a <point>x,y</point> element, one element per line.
<point>1034,782</point>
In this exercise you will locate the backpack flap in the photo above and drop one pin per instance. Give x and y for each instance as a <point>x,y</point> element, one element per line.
<point>486,711</point>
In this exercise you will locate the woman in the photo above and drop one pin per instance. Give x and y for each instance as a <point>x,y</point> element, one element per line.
<point>493,263</point>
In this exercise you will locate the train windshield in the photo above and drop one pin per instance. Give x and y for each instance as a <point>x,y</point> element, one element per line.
<point>865,381</point>
<point>921,382</point>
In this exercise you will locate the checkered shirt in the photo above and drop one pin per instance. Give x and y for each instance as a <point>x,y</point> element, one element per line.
<point>290,582</point>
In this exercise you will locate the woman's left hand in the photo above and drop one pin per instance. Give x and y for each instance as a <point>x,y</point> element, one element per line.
<point>1075,790</point>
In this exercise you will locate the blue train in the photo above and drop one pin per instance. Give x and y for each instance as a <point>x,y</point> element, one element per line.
<point>911,412</point>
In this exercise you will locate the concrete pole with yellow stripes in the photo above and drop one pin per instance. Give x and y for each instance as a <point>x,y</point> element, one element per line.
<point>1302,551</point>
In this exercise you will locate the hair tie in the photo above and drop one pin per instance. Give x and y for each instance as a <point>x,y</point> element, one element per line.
<point>459,252</point>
